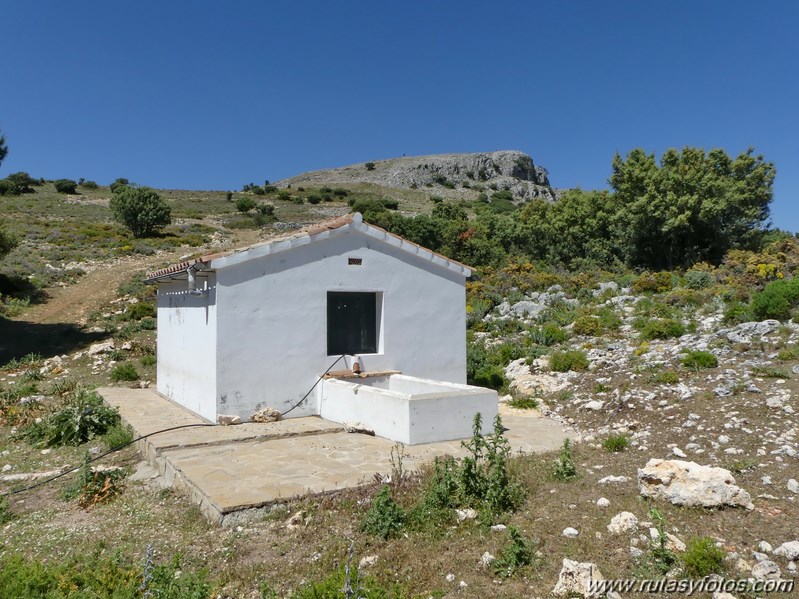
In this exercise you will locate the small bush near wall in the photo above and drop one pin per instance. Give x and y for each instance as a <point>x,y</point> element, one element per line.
<point>124,372</point>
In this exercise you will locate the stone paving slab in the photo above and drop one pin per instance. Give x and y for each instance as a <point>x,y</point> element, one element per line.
<point>147,412</point>
<point>228,469</point>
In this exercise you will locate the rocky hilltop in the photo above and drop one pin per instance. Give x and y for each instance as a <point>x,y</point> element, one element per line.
<point>511,170</point>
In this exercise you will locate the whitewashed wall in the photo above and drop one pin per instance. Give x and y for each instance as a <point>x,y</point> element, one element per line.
<point>272,335</point>
<point>187,336</point>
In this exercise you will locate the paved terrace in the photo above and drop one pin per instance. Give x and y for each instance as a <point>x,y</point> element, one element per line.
<point>232,471</point>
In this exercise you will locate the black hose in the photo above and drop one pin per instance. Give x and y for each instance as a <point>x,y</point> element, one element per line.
<point>102,455</point>
<point>329,368</point>
<point>166,430</point>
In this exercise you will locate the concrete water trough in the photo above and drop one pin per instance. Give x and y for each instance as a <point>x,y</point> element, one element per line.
<point>408,409</point>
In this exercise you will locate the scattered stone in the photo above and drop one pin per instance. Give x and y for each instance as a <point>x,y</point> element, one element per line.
<point>486,559</point>
<point>467,514</point>
<point>678,452</point>
<point>296,521</point>
<point>766,570</point>
<point>793,485</point>
<point>789,550</point>
<point>595,405</point>
<point>267,415</point>
<point>690,484</point>
<point>577,578</point>
<point>765,547</point>
<point>570,533</point>
<point>462,585</point>
<point>623,522</point>
<point>100,348</point>
<point>367,561</point>
<point>227,419</point>
<point>723,595</point>
<point>358,428</point>
<point>759,557</point>
<point>499,527</point>
<point>613,479</point>
<point>602,502</point>
<point>450,578</point>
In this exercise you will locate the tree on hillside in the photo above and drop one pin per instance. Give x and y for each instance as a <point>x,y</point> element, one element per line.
<point>3,148</point>
<point>693,206</point>
<point>7,242</point>
<point>140,209</point>
<point>577,230</point>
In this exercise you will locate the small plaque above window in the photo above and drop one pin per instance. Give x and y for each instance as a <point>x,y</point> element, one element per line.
<point>354,261</point>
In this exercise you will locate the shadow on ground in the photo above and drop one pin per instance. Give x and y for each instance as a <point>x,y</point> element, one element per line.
<point>19,338</point>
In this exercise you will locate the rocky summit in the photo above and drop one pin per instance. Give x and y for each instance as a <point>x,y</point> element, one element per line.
<point>511,170</point>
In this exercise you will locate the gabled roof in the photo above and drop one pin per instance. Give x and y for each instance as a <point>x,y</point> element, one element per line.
<point>311,234</point>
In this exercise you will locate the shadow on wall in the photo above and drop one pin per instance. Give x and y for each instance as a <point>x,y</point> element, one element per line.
<point>19,338</point>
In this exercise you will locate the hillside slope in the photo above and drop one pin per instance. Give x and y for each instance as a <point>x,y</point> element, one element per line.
<point>510,170</point>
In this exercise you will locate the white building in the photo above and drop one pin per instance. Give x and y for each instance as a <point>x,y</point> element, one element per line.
<point>245,329</point>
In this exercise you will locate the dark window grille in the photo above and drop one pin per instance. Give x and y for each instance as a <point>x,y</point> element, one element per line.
<point>351,323</point>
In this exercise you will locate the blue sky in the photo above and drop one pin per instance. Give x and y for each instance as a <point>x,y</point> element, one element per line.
<point>212,95</point>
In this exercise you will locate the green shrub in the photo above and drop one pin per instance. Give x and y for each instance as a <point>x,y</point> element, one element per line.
<point>776,300</point>
<point>770,373</point>
<point>548,334</point>
<point>702,558</point>
<point>265,209</point>
<point>139,310</point>
<point>97,574</point>
<point>788,354</point>
<point>148,323</point>
<point>570,360</point>
<point>587,325</point>
<point>18,183</point>
<point>244,205</point>
<point>65,186</point>
<point>385,519</point>
<point>662,328</point>
<point>698,279</point>
<point>480,370</point>
<point>526,402</point>
<point>284,195</point>
<point>649,282</point>
<point>616,443</point>
<point>119,182</point>
<point>485,482</point>
<point>118,435</point>
<point>80,420</point>
<point>5,511</point>
<point>148,360</point>
<point>314,198</point>
<point>370,166</point>
<point>659,559</point>
<point>518,552</point>
<point>124,372</point>
<point>700,359</point>
<point>736,313</point>
<point>564,469</point>
<point>667,377</point>
<point>140,209</point>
